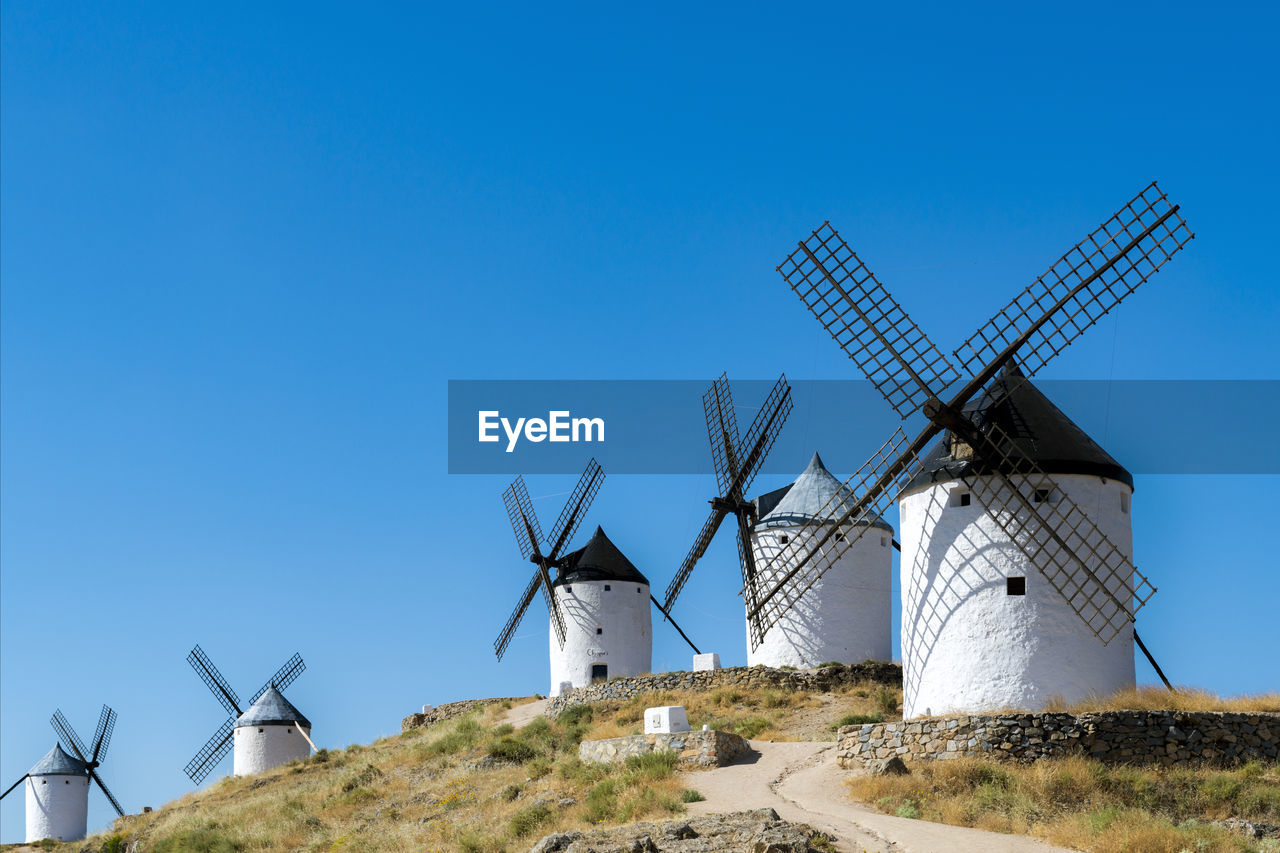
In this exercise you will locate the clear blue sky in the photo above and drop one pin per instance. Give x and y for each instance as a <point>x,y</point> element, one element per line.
<point>244,248</point>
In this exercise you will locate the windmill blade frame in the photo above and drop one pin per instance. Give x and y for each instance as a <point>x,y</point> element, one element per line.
<point>524,521</point>
<point>1093,277</point>
<point>722,432</point>
<point>67,735</point>
<point>111,798</point>
<point>799,563</point>
<point>214,750</point>
<point>575,509</point>
<point>9,790</point>
<point>763,433</point>
<point>214,680</point>
<point>285,675</point>
<point>102,736</point>
<point>874,331</point>
<point>513,621</point>
<point>700,545</point>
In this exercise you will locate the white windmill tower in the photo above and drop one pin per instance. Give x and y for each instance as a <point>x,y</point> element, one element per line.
<point>57,789</point>
<point>845,615</point>
<point>1026,516</point>
<point>598,602</point>
<point>266,734</point>
<point>608,628</point>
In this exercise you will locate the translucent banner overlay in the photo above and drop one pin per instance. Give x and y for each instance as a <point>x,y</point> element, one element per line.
<point>658,426</point>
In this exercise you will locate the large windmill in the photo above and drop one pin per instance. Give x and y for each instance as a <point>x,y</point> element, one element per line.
<point>736,462</point>
<point>597,602</point>
<point>269,731</point>
<point>58,785</point>
<point>996,458</point>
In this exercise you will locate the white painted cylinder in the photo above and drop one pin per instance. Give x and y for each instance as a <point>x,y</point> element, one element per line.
<point>57,807</point>
<point>845,616</point>
<point>609,632</point>
<point>259,748</point>
<point>967,644</point>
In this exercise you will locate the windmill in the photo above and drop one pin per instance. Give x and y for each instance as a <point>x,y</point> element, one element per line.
<point>268,732</point>
<point>58,785</point>
<point>993,457</point>
<point>736,464</point>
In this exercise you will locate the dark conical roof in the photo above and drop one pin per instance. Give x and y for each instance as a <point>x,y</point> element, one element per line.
<point>811,499</point>
<point>272,709</point>
<point>1040,428</point>
<point>58,763</point>
<point>598,560</point>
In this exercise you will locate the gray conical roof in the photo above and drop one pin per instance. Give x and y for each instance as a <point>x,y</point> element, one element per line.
<point>272,709</point>
<point>598,560</point>
<point>1039,427</point>
<point>809,500</point>
<point>58,763</point>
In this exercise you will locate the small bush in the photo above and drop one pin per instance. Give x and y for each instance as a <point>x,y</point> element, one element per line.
<point>830,663</point>
<point>691,796</point>
<point>503,730</point>
<point>856,720</point>
<point>751,726</point>
<point>510,793</point>
<point>575,715</point>
<point>114,844</point>
<point>205,840</point>
<point>908,809</point>
<point>602,802</point>
<point>512,749</point>
<point>654,765</point>
<point>528,819</point>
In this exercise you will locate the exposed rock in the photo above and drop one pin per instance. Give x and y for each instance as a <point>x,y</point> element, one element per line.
<point>1249,828</point>
<point>888,767</point>
<point>758,831</point>
<point>448,711</point>
<point>693,749</point>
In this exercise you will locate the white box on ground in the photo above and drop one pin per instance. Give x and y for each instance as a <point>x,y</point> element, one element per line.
<point>705,662</point>
<point>664,720</point>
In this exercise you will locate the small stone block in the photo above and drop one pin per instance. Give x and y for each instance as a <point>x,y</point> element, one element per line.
<point>664,720</point>
<point>706,662</point>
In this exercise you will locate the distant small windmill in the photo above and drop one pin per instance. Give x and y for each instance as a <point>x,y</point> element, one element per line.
<point>58,785</point>
<point>266,734</point>
<point>736,462</point>
<point>991,448</point>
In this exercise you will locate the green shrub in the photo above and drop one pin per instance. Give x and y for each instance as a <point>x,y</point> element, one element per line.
<point>908,809</point>
<point>856,720</point>
<point>205,840</point>
<point>512,749</point>
<point>466,733</point>
<point>510,793</point>
<point>528,819</point>
<point>359,780</point>
<point>653,765</point>
<point>602,802</point>
<point>830,663</point>
<point>114,844</point>
<point>575,715</point>
<point>691,796</point>
<point>751,726</point>
<point>503,730</point>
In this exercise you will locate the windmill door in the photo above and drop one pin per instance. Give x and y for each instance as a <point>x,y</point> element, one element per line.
<point>599,672</point>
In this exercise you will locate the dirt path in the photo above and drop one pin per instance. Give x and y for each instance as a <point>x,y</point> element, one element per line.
<point>802,782</point>
<point>522,715</point>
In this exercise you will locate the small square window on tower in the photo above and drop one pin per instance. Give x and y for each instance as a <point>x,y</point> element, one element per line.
<point>568,589</point>
<point>884,541</point>
<point>607,587</point>
<point>1015,586</point>
<point>637,590</point>
<point>961,497</point>
<point>784,538</point>
<point>1124,503</point>
<point>1041,495</point>
<point>599,630</point>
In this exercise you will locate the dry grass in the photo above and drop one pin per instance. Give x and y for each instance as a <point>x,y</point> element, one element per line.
<point>1160,699</point>
<point>466,784</point>
<point>1080,803</point>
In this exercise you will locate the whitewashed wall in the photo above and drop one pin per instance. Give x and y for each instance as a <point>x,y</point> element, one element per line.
<point>259,748</point>
<point>57,807</point>
<point>625,643</point>
<point>844,617</point>
<point>969,646</point>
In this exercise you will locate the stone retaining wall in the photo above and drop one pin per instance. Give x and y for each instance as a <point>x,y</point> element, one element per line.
<point>449,710</point>
<point>695,749</point>
<point>821,679</point>
<point>1116,737</point>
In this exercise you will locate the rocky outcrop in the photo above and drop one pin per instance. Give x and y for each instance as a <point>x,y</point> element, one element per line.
<point>694,749</point>
<point>1115,737</point>
<point>759,831</point>
<point>448,711</point>
<point>821,679</point>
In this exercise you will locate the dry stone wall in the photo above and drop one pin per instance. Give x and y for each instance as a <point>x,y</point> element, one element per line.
<point>1116,737</point>
<point>448,711</point>
<point>695,749</point>
<point>820,679</point>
